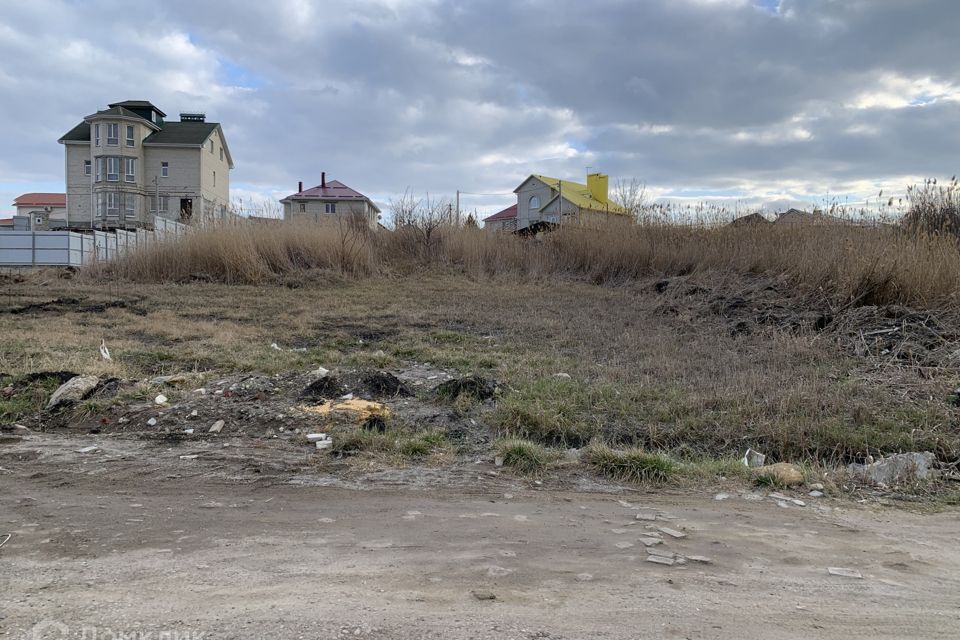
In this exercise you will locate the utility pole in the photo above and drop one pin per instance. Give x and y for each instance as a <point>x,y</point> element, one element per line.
<point>560,199</point>
<point>458,207</point>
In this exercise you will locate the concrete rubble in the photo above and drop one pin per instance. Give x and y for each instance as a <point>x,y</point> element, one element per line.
<point>72,391</point>
<point>898,469</point>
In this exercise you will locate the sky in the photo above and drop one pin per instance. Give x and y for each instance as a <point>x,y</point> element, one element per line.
<point>751,103</point>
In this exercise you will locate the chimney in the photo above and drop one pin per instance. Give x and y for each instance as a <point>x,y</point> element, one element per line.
<point>597,186</point>
<point>300,187</point>
<point>323,179</point>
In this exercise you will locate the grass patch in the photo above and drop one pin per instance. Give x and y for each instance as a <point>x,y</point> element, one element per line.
<point>392,441</point>
<point>631,465</point>
<point>26,397</point>
<point>525,456</point>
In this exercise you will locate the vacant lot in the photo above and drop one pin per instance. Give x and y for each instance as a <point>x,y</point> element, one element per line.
<point>699,367</point>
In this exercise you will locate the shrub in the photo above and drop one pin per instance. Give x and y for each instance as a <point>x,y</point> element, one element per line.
<point>523,455</point>
<point>631,465</point>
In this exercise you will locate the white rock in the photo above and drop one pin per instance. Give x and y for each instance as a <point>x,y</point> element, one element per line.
<point>324,444</point>
<point>193,456</point>
<point>216,427</point>
<point>673,533</point>
<point>562,375</point>
<point>661,560</point>
<point>844,572</point>
<point>320,372</point>
<point>152,422</point>
<point>816,486</point>
<point>498,461</point>
<point>816,494</point>
<point>194,414</point>
<point>188,431</point>
<point>201,391</point>
<point>315,437</point>
<point>721,496</point>
<point>160,399</point>
<point>87,450</point>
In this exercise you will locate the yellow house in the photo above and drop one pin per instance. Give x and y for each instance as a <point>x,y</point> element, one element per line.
<point>543,202</point>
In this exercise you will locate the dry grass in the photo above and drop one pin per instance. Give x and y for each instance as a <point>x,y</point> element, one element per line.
<point>858,264</point>
<point>662,371</point>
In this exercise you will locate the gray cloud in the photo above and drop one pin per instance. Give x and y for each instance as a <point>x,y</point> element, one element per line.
<point>807,98</point>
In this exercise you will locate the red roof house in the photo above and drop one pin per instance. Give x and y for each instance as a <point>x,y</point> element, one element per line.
<point>53,200</point>
<point>505,220</point>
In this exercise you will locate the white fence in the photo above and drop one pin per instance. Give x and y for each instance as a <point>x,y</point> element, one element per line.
<point>73,249</point>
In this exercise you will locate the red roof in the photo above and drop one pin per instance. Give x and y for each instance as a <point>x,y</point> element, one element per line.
<point>335,190</point>
<point>6,221</point>
<point>41,200</point>
<point>506,214</point>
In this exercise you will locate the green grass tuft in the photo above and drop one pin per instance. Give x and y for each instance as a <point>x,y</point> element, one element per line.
<point>631,465</point>
<point>524,456</point>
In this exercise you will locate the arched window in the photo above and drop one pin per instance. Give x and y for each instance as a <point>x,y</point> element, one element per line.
<point>534,202</point>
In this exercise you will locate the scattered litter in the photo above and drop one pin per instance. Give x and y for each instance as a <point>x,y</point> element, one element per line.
<point>314,437</point>
<point>625,504</point>
<point>363,409</point>
<point>783,503</point>
<point>324,444</point>
<point>217,426</point>
<point>87,450</point>
<point>200,391</point>
<point>565,376</point>
<point>753,458</point>
<point>649,542</point>
<point>189,432</point>
<point>661,560</point>
<point>623,545</point>
<point>275,346</point>
<point>721,496</point>
<point>498,461</point>
<point>815,494</point>
<point>320,372</point>
<point>663,553</point>
<point>6,537</point>
<point>700,559</point>
<point>844,573</point>
<point>152,422</point>
<point>673,533</point>
<point>650,517</point>
<point>799,503</point>
<point>160,399</point>
<point>104,352</point>
<point>192,456</point>
<point>484,595</point>
<point>194,413</point>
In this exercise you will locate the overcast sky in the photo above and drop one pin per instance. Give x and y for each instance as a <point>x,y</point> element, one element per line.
<point>752,100</point>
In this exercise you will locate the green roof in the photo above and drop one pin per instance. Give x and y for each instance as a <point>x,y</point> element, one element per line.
<point>192,133</point>
<point>138,104</point>
<point>578,195</point>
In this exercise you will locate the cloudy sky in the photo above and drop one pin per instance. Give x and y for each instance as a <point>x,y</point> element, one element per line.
<point>754,101</point>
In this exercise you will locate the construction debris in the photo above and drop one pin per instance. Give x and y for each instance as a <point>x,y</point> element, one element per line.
<point>753,458</point>
<point>898,469</point>
<point>844,573</point>
<point>72,391</point>
<point>782,474</point>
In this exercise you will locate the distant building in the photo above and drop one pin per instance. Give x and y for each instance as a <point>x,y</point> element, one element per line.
<point>127,164</point>
<point>40,211</point>
<point>505,220</point>
<point>750,220</point>
<point>543,202</point>
<point>328,202</point>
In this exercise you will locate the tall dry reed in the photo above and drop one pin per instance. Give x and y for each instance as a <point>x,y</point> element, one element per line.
<point>866,265</point>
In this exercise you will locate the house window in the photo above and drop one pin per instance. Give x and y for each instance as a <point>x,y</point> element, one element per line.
<point>113,203</point>
<point>164,169</point>
<point>534,202</point>
<point>303,207</point>
<point>221,154</point>
<point>130,169</point>
<point>39,219</point>
<point>99,176</point>
<point>211,146</point>
<point>129,135</point>
<point>113,134</point>
<point>129,204</point>
<point>113,169</point>
<point>86,167</point>
<point>214,178</point>
<point>164,204</point>
<point>96,135</point>
<point>330,207</point>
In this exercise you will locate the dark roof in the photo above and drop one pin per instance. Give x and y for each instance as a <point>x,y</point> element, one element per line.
<point>137,104</point>
<point>506,214</point>
<point>80,133</point>
<point>335,190</point>
<point>118,112</point>
<point>41,200</point>
<point>182,133</point>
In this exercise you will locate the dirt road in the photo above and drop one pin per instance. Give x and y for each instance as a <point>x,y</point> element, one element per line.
<point>109,551</point>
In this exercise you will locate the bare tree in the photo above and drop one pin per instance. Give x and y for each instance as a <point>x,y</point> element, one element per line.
<point>632,195</point>
<point>420,221</point>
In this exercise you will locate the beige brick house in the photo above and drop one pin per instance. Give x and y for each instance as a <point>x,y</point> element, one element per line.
<point>330,201</point>
<point>127,164</point>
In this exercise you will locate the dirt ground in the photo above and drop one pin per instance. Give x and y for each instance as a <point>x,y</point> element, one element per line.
<point>120,542</point>
<point>127,516</point>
